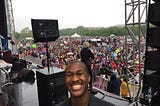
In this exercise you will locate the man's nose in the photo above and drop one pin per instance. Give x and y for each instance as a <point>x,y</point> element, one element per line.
<point>75,77</point>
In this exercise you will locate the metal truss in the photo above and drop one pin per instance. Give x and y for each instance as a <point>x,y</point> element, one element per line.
<point>135,35</point>
<point>10,23</point>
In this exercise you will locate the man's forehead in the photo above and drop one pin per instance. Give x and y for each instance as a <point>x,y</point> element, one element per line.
<point>76,66</point>
<point>75,71</point>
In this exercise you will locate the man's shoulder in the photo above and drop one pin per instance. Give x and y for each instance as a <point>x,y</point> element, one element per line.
<point>94,101</point>
<point>64,103</point>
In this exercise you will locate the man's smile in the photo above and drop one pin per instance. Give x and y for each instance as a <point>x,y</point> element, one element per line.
<point>76,87</point>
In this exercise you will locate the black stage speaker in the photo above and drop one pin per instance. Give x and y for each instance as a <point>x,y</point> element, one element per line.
<point>153,37</point>
<point>153,60</point>
<point>154,14</point>
<point>44,30</point>
<point>151,80</point>
<point>3,21</point>
<point>156,0</point>
<point>51,87</point>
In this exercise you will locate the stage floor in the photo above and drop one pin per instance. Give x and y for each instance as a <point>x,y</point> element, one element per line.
<point>20,93</point>
<point>23,91</point>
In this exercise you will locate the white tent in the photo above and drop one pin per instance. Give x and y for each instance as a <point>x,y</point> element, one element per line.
<point>29,38</point>
<point>112,35</point>
<point>95,40</point>
<point>76,35</point>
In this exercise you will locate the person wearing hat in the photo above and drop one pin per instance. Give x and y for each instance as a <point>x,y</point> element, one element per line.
<point>86,56</point>
<point>77,79</point>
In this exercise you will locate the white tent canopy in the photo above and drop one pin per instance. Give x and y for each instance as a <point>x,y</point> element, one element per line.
<point>112,35</point>
<point>95,40</point>
<point>29,38</point>
<point>76,35</point>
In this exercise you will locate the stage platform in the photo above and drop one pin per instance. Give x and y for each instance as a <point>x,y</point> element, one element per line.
<point>20,93</point>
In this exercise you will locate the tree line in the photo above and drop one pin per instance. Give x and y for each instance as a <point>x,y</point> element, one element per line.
<point>83,31</point>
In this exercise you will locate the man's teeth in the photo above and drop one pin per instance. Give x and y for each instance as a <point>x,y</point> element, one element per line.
<point>76,87</point>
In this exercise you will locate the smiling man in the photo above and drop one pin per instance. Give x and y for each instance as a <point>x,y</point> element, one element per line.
<point>77,79</point>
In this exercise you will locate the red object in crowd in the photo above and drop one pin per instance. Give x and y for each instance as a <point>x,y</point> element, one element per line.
<point>113,64</point>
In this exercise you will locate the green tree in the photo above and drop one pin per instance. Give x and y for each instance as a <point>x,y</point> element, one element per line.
<point>84,31</point>
<point>17,35</point>
<point>26,32</point>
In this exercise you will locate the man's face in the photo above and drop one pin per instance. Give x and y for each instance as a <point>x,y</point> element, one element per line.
<point>77,79</point>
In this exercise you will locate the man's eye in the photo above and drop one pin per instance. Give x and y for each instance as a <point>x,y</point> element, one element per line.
<point>68,74</point>
<point>80,73</point>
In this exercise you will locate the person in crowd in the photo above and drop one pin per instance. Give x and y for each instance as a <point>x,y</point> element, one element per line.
<point>86,56</point>
<point>114,85</point>
<point>77,79</point>
<point>124,88</point>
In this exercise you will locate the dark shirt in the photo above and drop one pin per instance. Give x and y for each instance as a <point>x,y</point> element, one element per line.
<point>114,85</point>
<point>86,55</point>
<point>155,101</point>
<point>93,101</point>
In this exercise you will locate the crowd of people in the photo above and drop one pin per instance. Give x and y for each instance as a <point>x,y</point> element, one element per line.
<point>109,54</point>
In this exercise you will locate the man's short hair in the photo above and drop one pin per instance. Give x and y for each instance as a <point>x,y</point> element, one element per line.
<point>72,62</point>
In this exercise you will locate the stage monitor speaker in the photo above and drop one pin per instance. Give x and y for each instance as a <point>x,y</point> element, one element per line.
<point>153,60</point>
<point>51,87</point>
<point>44,30</point>
<point>156,1</point>
<point>151,80</point>
<point>154,14</point>
<point>3,21</point>
<point>153,37</point>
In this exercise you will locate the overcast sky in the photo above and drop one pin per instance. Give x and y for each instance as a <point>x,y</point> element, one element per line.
<point>69,13</point>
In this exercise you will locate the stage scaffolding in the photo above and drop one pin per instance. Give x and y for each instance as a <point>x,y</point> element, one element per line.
<point>10,24</point>
<point>135,35</point>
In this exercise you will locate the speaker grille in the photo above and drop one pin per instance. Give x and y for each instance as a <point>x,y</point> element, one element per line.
<point>44,30</point>
<point>152,60</point>
<point>51,88</point>
<point>153,37</point>
<point>154,14</point>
